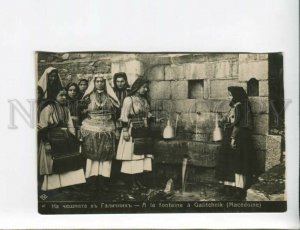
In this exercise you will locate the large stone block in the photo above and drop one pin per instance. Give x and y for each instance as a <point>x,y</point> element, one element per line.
<point>210,69</point>
<point>252,57</point>
<point>182,59</point>
<point>132,68</point>
<point>273,150</point>
<point>222,57</point>
<point>160,90</point>
<point>218,106</point>
<point>261,124</point>
<point>184,136</point>
<point>234,69</point>
<point>183,106</point>
<point>169,151</point>
<point>190,71</point>
<point>263,56</point>
<point>259,105</point>
<point>201,124</point>
<point>155,73</point>
<point>154,59</point>
<point>202,106</point>
<point>202,154</point>
<point>174,72</point>
<point>192,123</point>
<point>179,89</point>
<point>156,105</point>
<point>218,87</point>
<point>223,69</point>
<point>194,71</point>
<point>122,57</point>
<point>258,70</point>
<point>263,88</point>
<point>186,122</point>
<point>259,142</point>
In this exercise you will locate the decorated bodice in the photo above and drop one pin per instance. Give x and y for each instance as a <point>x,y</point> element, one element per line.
<point>135,107</point>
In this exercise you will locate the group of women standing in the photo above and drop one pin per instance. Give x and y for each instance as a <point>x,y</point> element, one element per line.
<point>84,127</point>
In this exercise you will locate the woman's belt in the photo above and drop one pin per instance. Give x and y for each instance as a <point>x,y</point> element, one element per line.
<point>138,122</point>
<point>98,127</point>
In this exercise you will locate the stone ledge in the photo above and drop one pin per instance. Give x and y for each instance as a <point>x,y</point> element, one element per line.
<point>200,154</point>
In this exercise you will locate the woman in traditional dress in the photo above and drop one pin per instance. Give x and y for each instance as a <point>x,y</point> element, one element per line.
<point>50,82</point>
<point>74,105</point>
<point>98,131</point>
<point>237,162</point>
<point>82,84</point>
<point>58,140</point>
<point>134,148</point>
<point>121,89</point>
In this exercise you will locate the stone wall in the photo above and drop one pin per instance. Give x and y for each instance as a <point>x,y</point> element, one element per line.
<point>75,66</point>
<point>171,91</point>
<point>191,86</point>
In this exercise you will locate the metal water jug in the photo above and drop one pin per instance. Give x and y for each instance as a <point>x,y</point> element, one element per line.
<point>217,134</point>
<point>168,132</point>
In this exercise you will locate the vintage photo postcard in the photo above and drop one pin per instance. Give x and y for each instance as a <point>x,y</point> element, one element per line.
<point>160,132</point>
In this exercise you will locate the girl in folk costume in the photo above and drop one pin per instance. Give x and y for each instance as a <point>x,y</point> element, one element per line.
<point>121,89</point>
<point>74,105</point>
<point>237,163</point>
<point>98,130</point>
<point>82,84</point>
<point>58,141</point>
<point>50,82</point>
<point>134,148</point>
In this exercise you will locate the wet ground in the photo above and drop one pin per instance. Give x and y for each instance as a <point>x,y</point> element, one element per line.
<point>119,192</point>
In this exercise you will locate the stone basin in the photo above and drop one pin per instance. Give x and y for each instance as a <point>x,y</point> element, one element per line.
<point>203,154</point>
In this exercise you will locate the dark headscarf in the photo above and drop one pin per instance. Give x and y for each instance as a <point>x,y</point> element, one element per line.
<point>120,75</point>
<point>137,84</point>
<point>86,81</point>
<point>77,89</point>
<point>238,94</point>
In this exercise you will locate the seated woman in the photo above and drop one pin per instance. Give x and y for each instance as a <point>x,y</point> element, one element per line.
<point>59,157</point>
<point>134,148</point>
<point>237,163</point>
<point>98,131</point>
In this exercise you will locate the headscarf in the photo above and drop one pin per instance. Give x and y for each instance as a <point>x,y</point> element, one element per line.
<point>43,82</point>
<point>77,89</point>
<point>137,84</point>
<point>87,82</point>
<point>109,90</point>
<point>120,75</point>
<point>238,94</point>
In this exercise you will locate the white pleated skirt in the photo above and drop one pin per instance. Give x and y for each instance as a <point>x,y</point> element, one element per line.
<point>137,166</point>
<point>132,163</point>
<point>97,168</point>
<point>54,181</point>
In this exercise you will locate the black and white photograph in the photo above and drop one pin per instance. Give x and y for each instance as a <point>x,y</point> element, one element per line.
<point>149,114</point>
<point>160,132</point>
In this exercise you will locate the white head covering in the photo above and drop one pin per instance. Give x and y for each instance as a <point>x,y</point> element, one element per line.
<point>109,89</point>
<point>44,79</point>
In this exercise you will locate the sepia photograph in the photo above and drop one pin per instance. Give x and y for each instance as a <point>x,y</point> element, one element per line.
<point>149,114</point>
<point>160,132</point>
